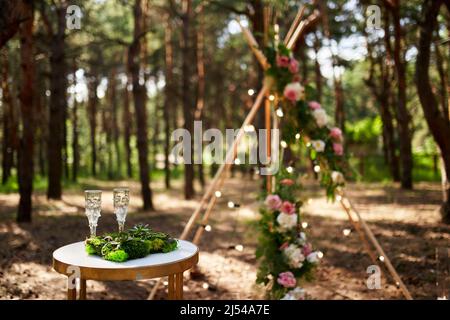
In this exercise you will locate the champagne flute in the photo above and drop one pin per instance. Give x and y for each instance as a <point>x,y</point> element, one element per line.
<point>121,201</point>
<point>93,207</point>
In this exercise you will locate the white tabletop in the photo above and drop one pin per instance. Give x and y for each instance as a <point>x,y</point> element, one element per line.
<point>76,255</point>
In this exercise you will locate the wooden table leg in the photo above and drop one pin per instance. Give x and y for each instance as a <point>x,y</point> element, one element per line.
<point>71,290</point>
<point>179,285</point>
<point>171,289</point>
<point>82,289</point>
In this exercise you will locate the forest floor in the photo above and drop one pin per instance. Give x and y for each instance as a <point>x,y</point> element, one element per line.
<point>406,223</point>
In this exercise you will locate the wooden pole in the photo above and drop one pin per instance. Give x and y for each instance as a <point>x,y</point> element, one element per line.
<point>253,45</point>
<point>381,252</point>
<point>294,25</point>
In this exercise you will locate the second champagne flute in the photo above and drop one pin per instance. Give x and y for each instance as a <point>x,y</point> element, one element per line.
<point>121,201</point>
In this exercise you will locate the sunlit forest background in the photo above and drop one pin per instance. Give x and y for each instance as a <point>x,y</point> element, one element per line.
<point>93,106</point>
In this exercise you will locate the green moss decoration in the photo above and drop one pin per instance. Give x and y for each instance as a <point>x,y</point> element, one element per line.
<point>134,243</point>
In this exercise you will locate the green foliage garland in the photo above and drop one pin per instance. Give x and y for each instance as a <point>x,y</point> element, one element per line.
<point>134,243</point>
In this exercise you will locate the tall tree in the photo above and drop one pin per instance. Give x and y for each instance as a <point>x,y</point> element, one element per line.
<point>186,55</point>
<point>75,129</point>
<point>93,83</point>
<point>135,65</point>
<point>26,145</point>
<point>127,124</point>
<point>437,117</point>
<point>169,98</point>
<point>9,144</point>
<point>402,114</point>
<point>58,99</point>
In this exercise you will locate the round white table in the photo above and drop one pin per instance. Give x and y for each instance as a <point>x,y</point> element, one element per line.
<point>73,261</point>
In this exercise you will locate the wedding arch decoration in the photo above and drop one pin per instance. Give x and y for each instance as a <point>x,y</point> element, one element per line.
<point>325,145</point>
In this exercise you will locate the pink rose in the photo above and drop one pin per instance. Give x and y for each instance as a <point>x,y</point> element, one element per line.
<point>338,149</point>
<point>287,279</point>
<point>294,91</point>
<point>293,66</point>
<point>287,182</point>
<point>336,134</point>
<point>287,207</point>
<point>307,249</point>
<point>314,105</point>
<point>273,201</point>
<point>282,61</point>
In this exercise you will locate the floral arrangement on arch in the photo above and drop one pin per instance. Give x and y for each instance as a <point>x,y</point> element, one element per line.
<point>286,257</point>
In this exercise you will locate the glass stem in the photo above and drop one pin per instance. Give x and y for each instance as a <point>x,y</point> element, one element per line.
<point>93,230</point>
<point>121,226</point>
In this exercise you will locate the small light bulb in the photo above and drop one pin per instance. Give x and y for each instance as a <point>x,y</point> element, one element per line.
<point>381,258</point>
<point>205,286</point>
<point>297,136</point>
<point>346,232</point>
<point>249,128</point>
<point>304,225</point>
<point>279,112</point>
<point>237,161</point>
<point>338,197</point>
<point>290,169</point>
<point>208,228</point>
<point>251,92</point>
<point>308,144</point>
<point>316,168</point>
<point>283,144</point>
<point>230,204</point>
<point>271,97</point>
<point>320,254</point>
<point>239,247</point>
<point>218,194</point>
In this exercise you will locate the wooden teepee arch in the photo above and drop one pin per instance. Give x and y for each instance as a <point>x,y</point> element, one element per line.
<point>209,199</point>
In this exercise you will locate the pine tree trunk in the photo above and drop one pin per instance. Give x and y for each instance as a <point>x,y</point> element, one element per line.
<point>92,112</point>
<point>186,96</point>
<point>139,95</point>
<point>75,143</point>
<point>25,172</point>
<point>438,121</point>
<point>9,122</point>
<point>127,128</point>
<point>200,85</point>
<point>402,113</point>
<point>58,105</point>
<point>168,96</point>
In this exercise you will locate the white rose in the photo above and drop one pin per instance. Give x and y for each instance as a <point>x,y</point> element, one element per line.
<point>318,145</point>
<point>295,256</point>
<point>313,257</point>
<point>337,177</point>
<point>295,294</point>
<point>287,221</point>
<point>321,117</point>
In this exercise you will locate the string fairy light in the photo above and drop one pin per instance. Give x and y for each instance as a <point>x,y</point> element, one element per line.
<point>304,225</point>
<point>290,169</point>
<point>218,194</point>
<point>283,144</point>
<point>251,92</point>
<point>346,232</point>
<point>208,228</point>
<point>230,204</point>
<point>316,168</point>
<point>271,97</point>
<point>239,247</point>
<point>279,112</point>
<point>297,136</point>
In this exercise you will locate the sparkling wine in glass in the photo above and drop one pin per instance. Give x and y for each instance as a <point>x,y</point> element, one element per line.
<point>121,201</point>
<point>93,207</point>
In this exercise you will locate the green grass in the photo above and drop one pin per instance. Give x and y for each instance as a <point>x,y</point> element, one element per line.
<point>375,170</point>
